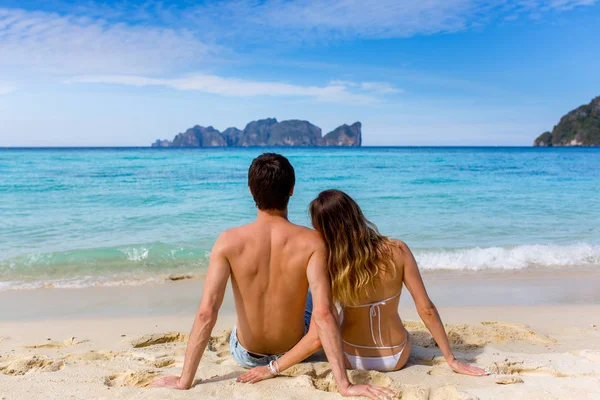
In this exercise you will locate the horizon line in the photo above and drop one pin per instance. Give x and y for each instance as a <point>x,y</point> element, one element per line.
<point>274,147</point>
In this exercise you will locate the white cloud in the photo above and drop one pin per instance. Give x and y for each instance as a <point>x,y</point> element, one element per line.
<point>379,87</point>
<point>163,40</point>
<point>160,39</point>
<point>535,9</point>
<point>308,20</point>
<point>6,88</point>
<point>565,5</point>
<point>373,87</point>
<point>335,91</point>
<point>66,44</point>
<point>238,21</point>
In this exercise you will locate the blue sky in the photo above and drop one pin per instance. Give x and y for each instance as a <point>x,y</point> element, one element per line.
<point>428,72</point>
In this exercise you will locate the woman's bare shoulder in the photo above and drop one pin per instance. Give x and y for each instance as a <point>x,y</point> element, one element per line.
<point>400,245</point>
<point>401,252</point>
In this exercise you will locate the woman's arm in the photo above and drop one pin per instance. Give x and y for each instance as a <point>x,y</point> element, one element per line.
<point>429,314</point>
<point>302,350</point>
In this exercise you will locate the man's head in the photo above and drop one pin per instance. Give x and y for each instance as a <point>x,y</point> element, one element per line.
<point>271,180</point>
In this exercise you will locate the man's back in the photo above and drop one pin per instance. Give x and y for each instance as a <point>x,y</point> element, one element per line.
<point>268,260</point>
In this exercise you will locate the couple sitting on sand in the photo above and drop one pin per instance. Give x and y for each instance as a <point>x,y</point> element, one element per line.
<point>344,261</point>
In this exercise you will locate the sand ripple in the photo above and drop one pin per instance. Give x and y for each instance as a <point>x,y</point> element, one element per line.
<point>508,380</point>
<point>158,338</point>
<point>73,341</point>
<point>131,378</point>
<point>319,376</point>
<point>137,363</point>
<point>21,365</point>
<point>469,337</point>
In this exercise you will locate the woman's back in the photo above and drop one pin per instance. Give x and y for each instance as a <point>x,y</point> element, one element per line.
<point>372,330</point>
<point>366,270</point>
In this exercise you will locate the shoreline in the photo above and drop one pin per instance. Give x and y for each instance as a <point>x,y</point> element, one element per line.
<point>157,262</point>
<point>529,287</point>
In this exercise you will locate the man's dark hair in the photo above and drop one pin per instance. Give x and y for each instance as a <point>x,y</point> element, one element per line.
<point>271,179</point>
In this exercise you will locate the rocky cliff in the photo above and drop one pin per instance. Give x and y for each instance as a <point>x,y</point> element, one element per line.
<point>266,132</point>
<point>199,136</point>
<point>580,127</point>
<point>344,136</point>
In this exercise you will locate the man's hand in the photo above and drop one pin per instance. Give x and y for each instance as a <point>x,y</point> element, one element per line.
<point>255,375</point>
<point>370,391</point>
<point>171,382</point>
<point>466,369</point>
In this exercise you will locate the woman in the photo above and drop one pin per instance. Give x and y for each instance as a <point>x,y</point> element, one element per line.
<point>367,272</point>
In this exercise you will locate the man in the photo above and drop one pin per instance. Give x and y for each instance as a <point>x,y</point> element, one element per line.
<point>271,262</point>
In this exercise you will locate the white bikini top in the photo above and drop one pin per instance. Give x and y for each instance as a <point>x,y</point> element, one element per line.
<point>375,311</point>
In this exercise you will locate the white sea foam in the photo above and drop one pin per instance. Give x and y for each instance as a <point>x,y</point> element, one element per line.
<point>135,253</point>
<point>78,283</point>
<point>468,259</point>
<point>509,258</point>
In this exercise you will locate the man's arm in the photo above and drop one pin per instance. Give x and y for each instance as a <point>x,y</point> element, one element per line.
<point>206,317</point>
<point>329,332</point>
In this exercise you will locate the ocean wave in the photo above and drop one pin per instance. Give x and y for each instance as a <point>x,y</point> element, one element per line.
<point>150,254</point>
<point>135,253</point>
<point>109,266</point>
<point>132,265</point>
<point>509,258</point>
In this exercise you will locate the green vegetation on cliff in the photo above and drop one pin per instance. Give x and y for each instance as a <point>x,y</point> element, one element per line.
<point>580,127</point>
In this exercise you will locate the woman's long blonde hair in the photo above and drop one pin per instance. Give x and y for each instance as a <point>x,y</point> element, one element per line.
<point>356,252</point>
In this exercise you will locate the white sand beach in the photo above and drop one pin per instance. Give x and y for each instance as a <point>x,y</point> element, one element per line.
<point>111,342</point>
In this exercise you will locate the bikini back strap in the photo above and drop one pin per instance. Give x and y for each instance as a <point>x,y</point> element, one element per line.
<point>375,311</point>
<point>378,347</point>
<point>375,303</point>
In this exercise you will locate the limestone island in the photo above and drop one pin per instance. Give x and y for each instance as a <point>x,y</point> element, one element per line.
<point>267,132</point>
<point>580,127</point>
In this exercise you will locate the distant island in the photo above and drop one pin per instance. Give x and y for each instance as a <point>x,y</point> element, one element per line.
<point>267,132</point>
<point>580,127</point>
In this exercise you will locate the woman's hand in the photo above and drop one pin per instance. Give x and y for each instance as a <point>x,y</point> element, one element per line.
<point>171,382</point>
<point>466,369</point>
<point>370,391</point>
<point>256,374</point>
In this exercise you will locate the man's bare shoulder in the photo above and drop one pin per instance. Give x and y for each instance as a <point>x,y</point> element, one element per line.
<point>308,236</point>
<point>230,239</point>
<point>234,233</point>
<point>236,238</point>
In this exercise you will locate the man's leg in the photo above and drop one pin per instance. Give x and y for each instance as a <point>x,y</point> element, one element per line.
<point>243,357</point>
<point>308,311</point>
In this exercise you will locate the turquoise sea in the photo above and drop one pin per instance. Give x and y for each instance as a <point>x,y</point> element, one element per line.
<point>81,217</point>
